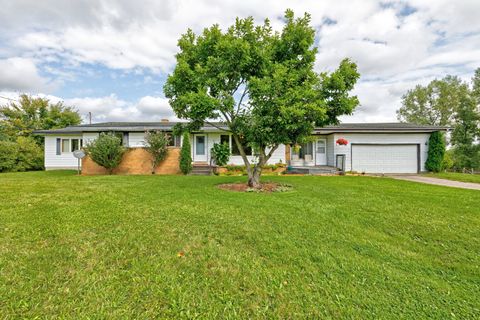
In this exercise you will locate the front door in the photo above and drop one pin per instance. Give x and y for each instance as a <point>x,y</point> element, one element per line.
<point>200,148</point>
<point>321,152</point>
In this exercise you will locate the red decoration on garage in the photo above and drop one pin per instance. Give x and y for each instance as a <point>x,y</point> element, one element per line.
<point>342,142</point>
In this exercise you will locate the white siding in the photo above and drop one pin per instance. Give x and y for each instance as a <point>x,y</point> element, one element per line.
<point>65,160</point>
<point>385,138</point>
<point>330,150</point>
<point>212,138</point>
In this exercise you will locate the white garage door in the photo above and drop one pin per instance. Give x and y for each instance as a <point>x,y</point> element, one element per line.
<point>384,158</point>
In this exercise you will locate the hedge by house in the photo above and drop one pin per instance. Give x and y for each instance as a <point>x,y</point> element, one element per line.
<point>436,152</point>
<point>185,156</point>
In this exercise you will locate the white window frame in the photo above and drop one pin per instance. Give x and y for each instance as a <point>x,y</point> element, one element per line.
<point>70,145</point>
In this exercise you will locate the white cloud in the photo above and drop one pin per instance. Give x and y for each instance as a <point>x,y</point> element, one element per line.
<point>21,74</point>
<point>111,108</point>
<point>396,44</point>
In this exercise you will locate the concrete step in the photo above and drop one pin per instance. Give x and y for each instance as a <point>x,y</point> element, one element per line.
<point>201,170</point>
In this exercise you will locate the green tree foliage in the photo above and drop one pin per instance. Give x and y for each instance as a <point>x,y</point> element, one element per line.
<point>20,155</point>
<point>436,152</point>
<point>448,163</point>
<point>449,102</point>
<point>260,84</point>
<point>29,114</point>
<point>434,104</point>
<point>156,143</point>
<point>221,153</point>
<point>465,133</point>
<point>106,151</point>
<point>476,86</point>
<point>185,155</point>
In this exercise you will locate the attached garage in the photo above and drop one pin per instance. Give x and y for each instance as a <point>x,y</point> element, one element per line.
<point>385,158</point>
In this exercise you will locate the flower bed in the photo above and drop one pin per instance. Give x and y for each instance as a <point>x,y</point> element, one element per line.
<point>236,170</point>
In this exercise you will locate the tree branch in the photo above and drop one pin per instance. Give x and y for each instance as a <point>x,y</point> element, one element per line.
<point>242,151</point>
<point>219,128</point>
<point>241,99</point>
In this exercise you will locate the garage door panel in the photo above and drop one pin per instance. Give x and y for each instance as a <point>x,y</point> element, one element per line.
<point>384,158</point>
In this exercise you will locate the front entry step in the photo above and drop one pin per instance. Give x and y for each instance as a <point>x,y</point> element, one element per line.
<point>201,170</point>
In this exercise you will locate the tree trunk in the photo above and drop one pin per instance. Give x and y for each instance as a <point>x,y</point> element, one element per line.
<point>254,176</point>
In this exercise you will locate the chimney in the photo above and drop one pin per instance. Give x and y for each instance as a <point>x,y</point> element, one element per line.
<point>164,120</point>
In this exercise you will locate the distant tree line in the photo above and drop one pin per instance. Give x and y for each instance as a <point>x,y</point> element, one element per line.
<point>20,148</point>
<point>454,103</point>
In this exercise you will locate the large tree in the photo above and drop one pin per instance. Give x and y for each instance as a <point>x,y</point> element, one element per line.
<point>433,104</point>
<point>466,131</point>
<point>261,84</point>
<point>28,114</point>
<point>449,102</point>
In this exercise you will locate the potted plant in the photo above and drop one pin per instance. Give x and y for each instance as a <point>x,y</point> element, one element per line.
<point>342,142</point>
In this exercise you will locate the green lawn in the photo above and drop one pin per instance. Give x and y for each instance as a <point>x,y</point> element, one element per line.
<point>336,247</point>
<point>464,177</point>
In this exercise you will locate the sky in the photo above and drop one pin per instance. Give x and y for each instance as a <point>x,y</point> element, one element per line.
<point>111,58</point>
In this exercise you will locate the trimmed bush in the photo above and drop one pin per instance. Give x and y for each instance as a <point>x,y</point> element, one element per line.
<point>156,143</point>
<point>436,152</point>
<point>106,151</point>
<point>185,155</point>
<point>221,153</point>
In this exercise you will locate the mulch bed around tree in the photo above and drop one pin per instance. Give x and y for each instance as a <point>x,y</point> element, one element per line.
<point>265,187</point>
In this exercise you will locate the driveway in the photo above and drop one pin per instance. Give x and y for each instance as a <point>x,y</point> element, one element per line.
<point>436,181</point>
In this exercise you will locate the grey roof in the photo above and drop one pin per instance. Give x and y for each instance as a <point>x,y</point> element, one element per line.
<point>167,126</point>
<point>377,127</point>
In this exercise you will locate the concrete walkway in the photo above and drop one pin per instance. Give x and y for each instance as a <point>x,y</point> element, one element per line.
<point>436,181</point>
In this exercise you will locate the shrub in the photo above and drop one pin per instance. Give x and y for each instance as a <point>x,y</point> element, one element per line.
<point>221,153</point>
<point>185,155</point>
<point>466,156</point>
<point>106,150</point>
<point>447,162</point>
<point>8,156</point>
<point>30,155</point>
<point>436,152</point>
<point>20,155</point>
<point>156,143</point>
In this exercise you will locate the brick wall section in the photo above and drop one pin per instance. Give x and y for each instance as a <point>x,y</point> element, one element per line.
<point>136,161</point>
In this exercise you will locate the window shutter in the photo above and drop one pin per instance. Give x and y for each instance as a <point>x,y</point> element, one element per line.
<point>59,146</point>
<point>125,139</point>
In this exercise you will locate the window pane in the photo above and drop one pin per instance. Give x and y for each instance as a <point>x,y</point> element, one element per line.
<point>75,145</point>
<point>306,149</point>
<point>177,141</point>
<point>65,145</point>
<point>125,139</point>
<point>224,139</point>
<point>321,146</point>
<point>200,145</point>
